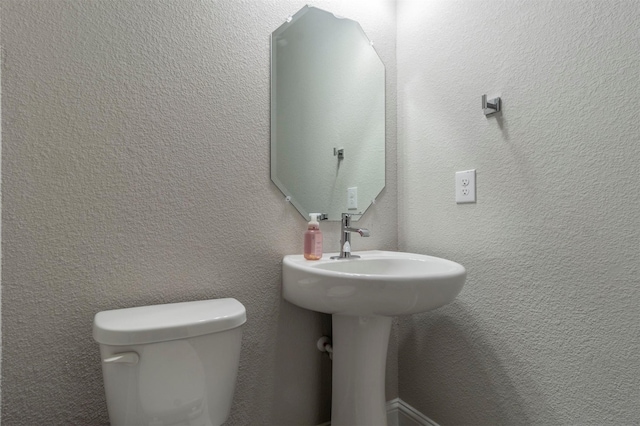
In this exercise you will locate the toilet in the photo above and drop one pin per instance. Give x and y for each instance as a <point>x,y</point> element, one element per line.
<point>172,364</point>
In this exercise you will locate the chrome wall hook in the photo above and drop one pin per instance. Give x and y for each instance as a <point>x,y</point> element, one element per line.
<point>491,106</point>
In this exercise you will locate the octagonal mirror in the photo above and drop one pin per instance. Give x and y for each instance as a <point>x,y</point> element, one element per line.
<point>327,114</point>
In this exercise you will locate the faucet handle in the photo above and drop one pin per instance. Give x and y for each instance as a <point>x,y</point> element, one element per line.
<point>348,216</point>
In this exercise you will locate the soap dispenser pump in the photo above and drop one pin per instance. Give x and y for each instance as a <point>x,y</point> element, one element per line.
<point>313,239</point>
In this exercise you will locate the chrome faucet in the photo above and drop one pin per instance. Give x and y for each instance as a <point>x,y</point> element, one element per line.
<point>345,237</point>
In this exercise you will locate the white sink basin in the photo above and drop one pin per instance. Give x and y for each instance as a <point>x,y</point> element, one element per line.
<point>363,294</point>
<point>381,283</point>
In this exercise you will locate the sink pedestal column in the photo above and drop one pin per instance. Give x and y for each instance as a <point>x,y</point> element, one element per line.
<point>359,364</point>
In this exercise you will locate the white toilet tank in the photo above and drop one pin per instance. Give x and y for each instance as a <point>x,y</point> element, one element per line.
<point>170,365</point>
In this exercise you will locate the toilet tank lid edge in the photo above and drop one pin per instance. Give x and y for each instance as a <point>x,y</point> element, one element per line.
<point>171,321</point>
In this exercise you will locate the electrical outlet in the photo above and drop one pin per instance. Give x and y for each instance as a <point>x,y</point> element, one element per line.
<point>466,186</point>
<point>352,198</point>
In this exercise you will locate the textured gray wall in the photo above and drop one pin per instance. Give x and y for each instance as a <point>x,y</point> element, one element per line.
<point>1,62</point>
<point>547,328</point>
<point>136,171</point>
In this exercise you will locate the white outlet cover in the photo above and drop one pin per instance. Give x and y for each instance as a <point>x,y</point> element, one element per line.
<point>466,186</point>
<point>352,198</point>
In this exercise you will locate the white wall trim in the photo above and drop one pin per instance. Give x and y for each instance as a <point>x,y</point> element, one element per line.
<point>399,413</point>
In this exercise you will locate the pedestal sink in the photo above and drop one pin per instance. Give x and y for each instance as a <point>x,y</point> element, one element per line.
<point>363,294</point>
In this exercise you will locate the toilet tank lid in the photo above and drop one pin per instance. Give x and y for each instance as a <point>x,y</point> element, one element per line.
<point>172,321</point>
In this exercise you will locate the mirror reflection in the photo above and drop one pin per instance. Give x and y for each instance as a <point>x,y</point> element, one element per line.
<point>327,114</point>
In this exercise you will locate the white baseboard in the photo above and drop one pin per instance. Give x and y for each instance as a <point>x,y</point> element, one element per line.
<point>399,413</point>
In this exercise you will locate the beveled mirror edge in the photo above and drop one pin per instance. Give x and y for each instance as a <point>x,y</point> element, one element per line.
<point>273,88</point>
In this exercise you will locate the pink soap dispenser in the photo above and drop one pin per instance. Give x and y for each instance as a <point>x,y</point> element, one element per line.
<point>313,239</point>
